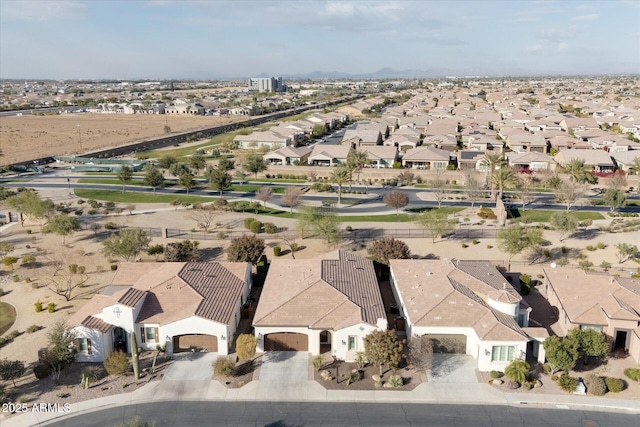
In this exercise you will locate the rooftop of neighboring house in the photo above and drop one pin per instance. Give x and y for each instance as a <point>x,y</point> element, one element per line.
<point>601,297</point>
<point>426,154</point>
<point>442,127</point>
<point>529,157</point>
<point>335,291</point>
<point>331,151</point>
<point>375,152</point>
<point>451,293</point>
<point>470,155</point>
<point>520,137</point>
<point>293,152</point>
<point>265,136</point>
<point>590,157</point>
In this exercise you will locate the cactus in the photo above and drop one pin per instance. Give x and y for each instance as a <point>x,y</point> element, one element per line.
<point>134,356</point>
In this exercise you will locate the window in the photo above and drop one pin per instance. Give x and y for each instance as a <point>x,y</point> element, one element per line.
<point>595,328</point>
<point>83,345</point>
<point>503,353</point>
<point>352,343</point>
<point>149,334</point>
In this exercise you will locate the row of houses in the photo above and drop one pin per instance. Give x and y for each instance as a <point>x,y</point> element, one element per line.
<point>329,304</point>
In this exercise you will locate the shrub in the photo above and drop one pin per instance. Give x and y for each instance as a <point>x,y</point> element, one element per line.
<point>51,307</point>
<point>486,213</point>
<point>111,226</point>
<point>396,381</point>
<point>256,227</point>
<point>94,373</point>
<point>547,253</point>
<point>614,385</point>
<point>595,385</point>
<point>475,241</point>
<point>14,334</point>
<point>568,383</point>
<point>317,362</point>
<point>527,386</point>
<point>248,222</point>
<point>41,371</point>
<point>114,267</point>
<point>38,306</point>
<point>590,248</point>
<point>489,246</point>
<point>276,250</point>
<point>34,328</point>
<point>116,363</point>
<point>554,377</point>
<point>547,368</point>
<point>496,374</point>
<point>601,245</point>
<point>464,246</point>
<point>633,373</point>
<point>270,228</point>
<point>224,366</point>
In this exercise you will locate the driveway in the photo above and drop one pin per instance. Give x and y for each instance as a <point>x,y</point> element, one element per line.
<point>191,367</point>
<point>453,368</point>
<point>285,366</point>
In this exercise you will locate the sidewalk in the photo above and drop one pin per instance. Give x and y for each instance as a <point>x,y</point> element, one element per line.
<point>429,393</point>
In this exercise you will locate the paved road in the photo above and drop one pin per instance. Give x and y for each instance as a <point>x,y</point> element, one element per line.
<point>298,414</point>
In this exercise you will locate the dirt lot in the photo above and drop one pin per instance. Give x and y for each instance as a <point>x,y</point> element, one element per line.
<point>27,137</point>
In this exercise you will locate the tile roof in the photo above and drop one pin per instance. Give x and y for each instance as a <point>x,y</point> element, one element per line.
<point>97,324</point>
<point>132,297</point>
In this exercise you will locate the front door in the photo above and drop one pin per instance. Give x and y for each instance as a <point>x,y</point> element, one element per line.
<point>120,340</point>
<point>621,339</point>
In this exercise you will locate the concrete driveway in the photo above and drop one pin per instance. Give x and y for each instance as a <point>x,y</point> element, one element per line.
<point>191,367</point>
<point>453,368</point>
<point>285,366</point>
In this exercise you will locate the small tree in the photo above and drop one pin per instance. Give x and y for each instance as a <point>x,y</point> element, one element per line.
<point>197,162</point>
<point>389,248</point>
<point>626,251</point>
<point>473,189</point>
<point>246,346</point>
<point>247,248</point>
<point>614,198</point>
<point>61,351</point>
<point>254,163</point>
<point>127,244</point>
<point>340,176</point>
<point>518,370</point>
<point>264,194</point>
<point>396,199</point>
<point>10,370</point>
<point>155,250</point>
<point>124,176</point>
<point>62,225</point>
<point>8,261</point>
<point>153,177</point>
<point>436,222</point>
<point>590,343</point>
<point>382,347</point>
<point>564,222</point>
<point>5,248</point>
<point>516,238</point>
<point>186,181</point>
<point>420,352</point>
<point>184,251</point>
<point>204,216</point>
<point>562,353</point>
<point>291,197</point>
<point>218,178</point>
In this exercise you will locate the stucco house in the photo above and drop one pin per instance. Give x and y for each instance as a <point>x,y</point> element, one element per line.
<point>329,155</point>
<point>531,161</point>
<point>597,160</point>
<point>287,156</point>
<point>178,305</point>
<point>320,305</point>
<point>426,158</point>
<point>466,307</point>
<point>605,303</point>
<point>381,156</point>
<point>263,139</point>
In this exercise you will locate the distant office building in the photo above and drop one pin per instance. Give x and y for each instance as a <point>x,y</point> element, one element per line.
<point>269,84</point>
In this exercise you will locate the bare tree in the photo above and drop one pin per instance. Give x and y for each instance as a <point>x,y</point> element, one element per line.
<point>439,187</point>
<point>204,216</point>
<point>420,352</point>
<point>396,199</point>
<point>570,193</point>
<point>291,198</point>
<point>526,194</point>
<point>473,188</point>
<point>264,194</point>
<point>617,181</point>
<point>64,279</point>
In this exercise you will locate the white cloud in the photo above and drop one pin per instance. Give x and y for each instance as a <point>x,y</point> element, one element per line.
<point>562,47</point>
<point>41,10</point>
<point>588,17</point>
<point>535,48</point>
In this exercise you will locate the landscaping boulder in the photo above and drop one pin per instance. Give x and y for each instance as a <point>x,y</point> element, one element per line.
<point>376,378</point>
<point>538,384</point>
<point>497,381</point>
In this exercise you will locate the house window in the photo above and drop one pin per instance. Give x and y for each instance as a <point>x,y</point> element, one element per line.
<point>84,345</point>
<point>352,343</point>
<point>595,328</point>
<point>503,353</point>
<point>149,334</point>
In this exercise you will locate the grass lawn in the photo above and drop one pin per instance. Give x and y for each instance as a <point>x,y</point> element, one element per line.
<point>252,188</point>
<point>283,181</point>
<point>533,215</point>
<point>7,317</point>
<point>116,182</point>
<point>135,197</point>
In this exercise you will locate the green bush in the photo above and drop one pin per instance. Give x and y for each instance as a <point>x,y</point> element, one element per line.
<point>114,267</point>
<point>495,374</point>
<point>464,246</point>
<point>41,371</point>
<point>595,385</point>
<point>486,213</point>
<point>590,248</point>
<point>614,385</point>
<point>38,306</point>
<point>527,386</point>
<point>256,227</point>
<point>111,226</point>
<point>601,245</point>
<point>224,366</point>
<point>51,307</point>
<point>547,368</point>
<point>248,222</point>
<point>396,381</point>
<point>116,363</point>
<point>317,362</point>
<point>34,328</point>
<point>276,250</point>
<point>568,383</point>
<point>633,373</point>
<point>270,228</point>
<point>94,373</point>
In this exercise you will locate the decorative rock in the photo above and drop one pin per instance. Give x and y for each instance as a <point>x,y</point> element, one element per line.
<point>538,384</point>
<point>376,377</point>
<point>387,385</point>
<point>497,381</point>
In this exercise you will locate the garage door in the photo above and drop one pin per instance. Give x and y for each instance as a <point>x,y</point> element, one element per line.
<point>286,341</point>
<point>448,343</point>
<point>202,342</point>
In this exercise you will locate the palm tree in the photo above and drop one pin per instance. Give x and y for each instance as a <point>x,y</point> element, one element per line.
<point>576,170</point>
<point>357,160</point>
<point>502,178</point>
<point>492,161</point>
<point>340,176</point>
<point>635,166</point>
<point>518,370</point>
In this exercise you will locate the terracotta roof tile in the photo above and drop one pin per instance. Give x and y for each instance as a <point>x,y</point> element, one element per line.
<point>132,297</point>
<point>97,324</point>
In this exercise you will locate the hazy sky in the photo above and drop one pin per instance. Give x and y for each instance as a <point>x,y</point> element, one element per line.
<point>217,39</point>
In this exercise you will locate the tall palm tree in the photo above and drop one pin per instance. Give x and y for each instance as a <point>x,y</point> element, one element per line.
<point>503,177</point>
<point>356,160</point>
<point>576,170</point>
<point>492,161</point>
<point>340,176</point>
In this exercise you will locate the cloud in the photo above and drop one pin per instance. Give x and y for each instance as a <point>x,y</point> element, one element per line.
<point>42,10</point>
<point>588,17</point>
<point>562,47</point>
<point>534,48</point>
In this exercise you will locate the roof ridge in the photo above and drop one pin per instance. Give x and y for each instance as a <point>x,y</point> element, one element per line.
<point>292,297</point>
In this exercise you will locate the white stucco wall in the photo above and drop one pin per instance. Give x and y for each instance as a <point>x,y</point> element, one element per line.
<point>192,325</point>
<point>101,344</point>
